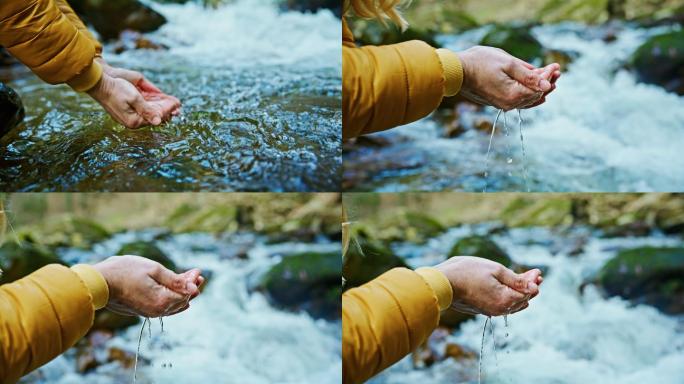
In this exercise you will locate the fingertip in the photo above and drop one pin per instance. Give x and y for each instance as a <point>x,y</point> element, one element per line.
<point>156,120</point>
<point>544,85</point>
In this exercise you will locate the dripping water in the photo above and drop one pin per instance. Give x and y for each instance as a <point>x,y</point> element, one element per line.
<point>137,353</point>
<point>509,148</point>
<point>479,372</point>
<point>489,148</point>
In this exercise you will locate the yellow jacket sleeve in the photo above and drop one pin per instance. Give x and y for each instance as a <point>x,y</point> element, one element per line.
<point>387,86</point>
<point>387,318</point>
<point>78,23</point>
<point>44,314</point>
<point>38,34</point>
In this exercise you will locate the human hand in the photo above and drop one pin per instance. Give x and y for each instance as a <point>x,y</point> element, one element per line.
<point>493,77</point>
<point>149,91</point>
<point>484,286</point>
<point>139,286</point>
<point>126,104</point>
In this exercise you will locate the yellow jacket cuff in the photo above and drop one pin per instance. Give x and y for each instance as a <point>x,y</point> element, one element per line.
<point>453,71</point>
<point>439,284</point>
<point>87,79</point>
<point>96,283</point>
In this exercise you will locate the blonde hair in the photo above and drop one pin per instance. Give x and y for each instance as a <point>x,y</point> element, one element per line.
<point>381,10</point>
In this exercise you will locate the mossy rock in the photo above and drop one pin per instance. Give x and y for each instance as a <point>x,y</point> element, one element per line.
<point>111,17</point>
<point>213,219</point>
<point>518,41</point>
<point>424,225</point>
<point>647,275</point>
<point>307,281</point>
<point>72,232</point>
<point>660,61</point>
<point>373,33</point>
<point>11,109</point>
<point>147,250</point>
<point>19,260</point>
<point>367,259</point>
<point>543,213</point>
<point>480,246</point>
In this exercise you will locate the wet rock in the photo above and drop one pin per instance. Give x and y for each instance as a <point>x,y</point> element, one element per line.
<point>660,61</point>
<point>436,348</point>
<point>647,275</point>
<point>86,360</point>
<point>373,33</point>
<point>112,17</point>
<point>126,359</point>
<point>313,5</point>
<point>458,352</point>
<point>543,213</point>
<point>72,232</point>
<point>453,319</point>
<point>411,226</point>
<point>106,320</point>
<point>480,246</point>
<point>307,281</point>
<point>131,40</point>
<point>518,41</point>
<point>366,259</point>
<point>17,261</point>
<point>564,58</point>
<point>11,109</point>
<point>149,250</point>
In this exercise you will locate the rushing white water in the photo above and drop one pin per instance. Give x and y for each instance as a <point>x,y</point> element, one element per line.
<point>228,335</point>
<point>564,336</point>
<point>599,130</point>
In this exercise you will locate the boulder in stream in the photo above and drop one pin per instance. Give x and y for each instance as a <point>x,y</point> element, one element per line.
<point>480,246</point>
<point>11,109</point>
<point>149,250</point>
<point>646,275</point>
<point>307,281</point>
<point>313,5</point>
<point>19,260</point>
<point>518,41</point>
<point>367,259</point>
<point>660,61</point>
<point>110,18</point>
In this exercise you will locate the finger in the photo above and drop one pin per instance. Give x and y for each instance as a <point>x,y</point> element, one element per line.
<point>179,310</point>
<point>145,85</point>
<point>536,104</point>
<point>515,281</point>
<point>527,77</point>
<point>146,110</point>
<point>171,280</point>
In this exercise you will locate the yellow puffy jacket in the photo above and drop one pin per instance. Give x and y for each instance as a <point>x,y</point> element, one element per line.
<point>384,87</point>
<point>48,37</point>
<point>44,314</point>
<point>387,318</point>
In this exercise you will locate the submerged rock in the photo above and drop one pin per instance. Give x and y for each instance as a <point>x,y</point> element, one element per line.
<point>518,41</point>
<point>11,109</point>
<point>367,259</point>
<point>480,246</point>
<point>660,61</point>
<point>19,260</point>
<point>149,250</point>
<point>647,275</point>
<point>307,281</point>
<point>112,17</point>
<point>131,40</point>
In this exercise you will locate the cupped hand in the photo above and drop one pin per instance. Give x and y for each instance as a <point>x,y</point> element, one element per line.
<point>139,286</point>
<point>482,286</point>
<point>493,77</point>
<point>149,91</point>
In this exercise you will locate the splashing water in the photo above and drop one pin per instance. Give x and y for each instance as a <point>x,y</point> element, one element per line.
<point>489,149</point>
<point>484,329</point>
<point>137,352</point>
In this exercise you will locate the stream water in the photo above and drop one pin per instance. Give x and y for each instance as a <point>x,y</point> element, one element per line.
<point>599,131</point>
<point>228,335</point>
<point>261,94</point>
<point>564,337</point>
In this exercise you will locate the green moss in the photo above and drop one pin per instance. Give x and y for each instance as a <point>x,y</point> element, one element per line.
<point>367,259</point>
<point>19,260</point>
<point>480,246</point>
<point>518,41</point>
<point>147,250</point>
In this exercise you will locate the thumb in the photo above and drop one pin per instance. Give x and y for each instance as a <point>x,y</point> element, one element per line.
<point>170,280</point>
<point>516,281</point>
<point>146,110</point>
<point>528,77</point>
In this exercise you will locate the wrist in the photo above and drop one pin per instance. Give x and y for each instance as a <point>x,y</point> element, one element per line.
<point>440,285</point>
<point>96,283</point>
<point>453,71</point>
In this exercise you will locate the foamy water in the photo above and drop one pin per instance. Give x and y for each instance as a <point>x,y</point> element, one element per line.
<point>228,335</point>
<point>564,336</point>
<point>599,131</point>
